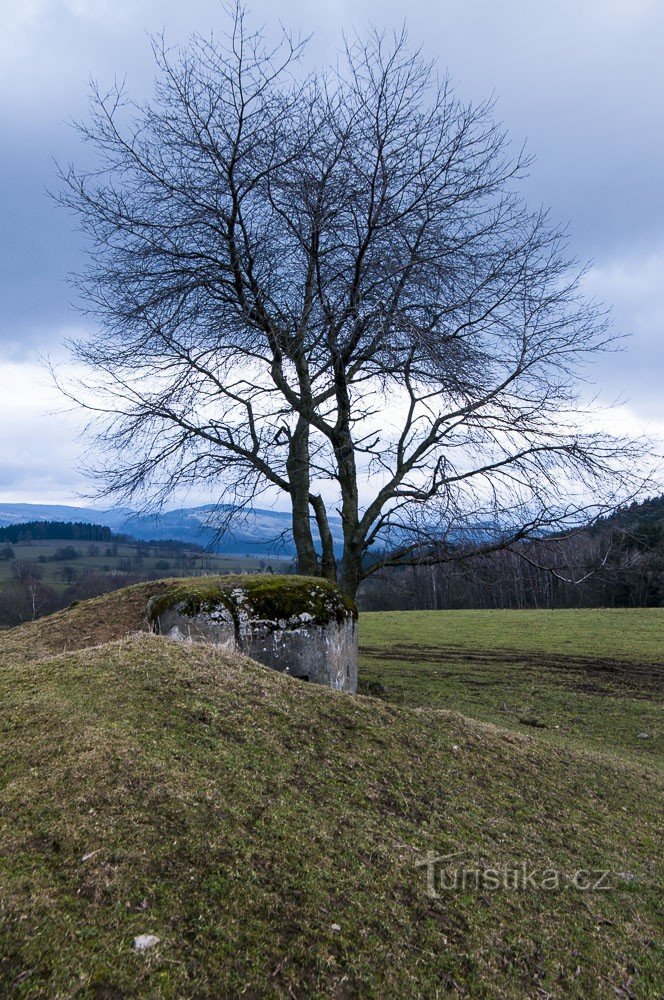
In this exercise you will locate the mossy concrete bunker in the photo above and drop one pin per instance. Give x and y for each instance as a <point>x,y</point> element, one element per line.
<point>302,626</point>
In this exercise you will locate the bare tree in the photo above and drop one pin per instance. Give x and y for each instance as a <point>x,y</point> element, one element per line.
<point>328,286</point>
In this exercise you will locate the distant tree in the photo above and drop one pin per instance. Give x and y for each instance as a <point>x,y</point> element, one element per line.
<point>329,286</point>
<point>25,600</point>
<point>69,574</point>
<point>95,584</point>
<point>22,570</point>
<point>65,552</point>
<point>7,552</point>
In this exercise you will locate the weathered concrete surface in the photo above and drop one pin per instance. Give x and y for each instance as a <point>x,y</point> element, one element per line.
<point>323,654</point>
<point>300,626</point>
<point>215,626</point>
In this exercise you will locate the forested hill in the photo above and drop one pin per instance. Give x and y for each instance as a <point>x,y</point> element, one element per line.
<point>71,531</point>
<point>616,562</point>
<point>221,528</point>
<point>648,510</point>
<point>645,519</point>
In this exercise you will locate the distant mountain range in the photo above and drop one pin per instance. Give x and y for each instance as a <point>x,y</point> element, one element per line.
<point>253,531</point>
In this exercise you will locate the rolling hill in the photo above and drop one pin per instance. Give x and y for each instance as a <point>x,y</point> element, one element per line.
<point>272,837</point>
<point>255,531</point>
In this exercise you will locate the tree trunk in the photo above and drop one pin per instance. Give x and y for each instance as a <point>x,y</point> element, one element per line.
<point>298,476</point>
<point>328,559</point>
<point>351,569</point>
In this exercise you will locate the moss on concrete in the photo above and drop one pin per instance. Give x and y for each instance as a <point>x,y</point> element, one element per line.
<point>263,597</point>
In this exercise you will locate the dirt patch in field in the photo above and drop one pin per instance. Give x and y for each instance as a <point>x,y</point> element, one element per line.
<point>582,673</point>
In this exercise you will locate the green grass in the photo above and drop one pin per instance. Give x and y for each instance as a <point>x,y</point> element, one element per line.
<point>587,678</point>
<point>271,833</point>
<point>620,633</point>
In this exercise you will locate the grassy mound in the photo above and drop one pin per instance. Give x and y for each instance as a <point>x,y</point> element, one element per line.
<point>116,615</point>
<point>274,835</point>
<point>271,835</point>
<point>86,623</point>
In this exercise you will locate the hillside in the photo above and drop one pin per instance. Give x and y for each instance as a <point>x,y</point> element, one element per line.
<point>271,834</point>
<point>45,565</point>
<point>253,532</point>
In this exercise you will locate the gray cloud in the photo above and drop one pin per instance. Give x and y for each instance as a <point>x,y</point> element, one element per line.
<point>632,283</point>
<point>580,83</point>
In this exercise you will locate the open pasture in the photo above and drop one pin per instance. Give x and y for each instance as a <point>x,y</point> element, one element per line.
<point>591,677</point>
<point>117,559</point>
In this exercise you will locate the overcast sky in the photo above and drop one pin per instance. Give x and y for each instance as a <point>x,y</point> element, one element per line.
<point>580,81</point>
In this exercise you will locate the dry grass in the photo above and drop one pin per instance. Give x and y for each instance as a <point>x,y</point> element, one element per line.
<point>269,833</point>
<point>88,623</point>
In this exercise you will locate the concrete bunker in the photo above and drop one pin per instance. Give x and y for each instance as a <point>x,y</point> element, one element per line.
<point>298,625</point>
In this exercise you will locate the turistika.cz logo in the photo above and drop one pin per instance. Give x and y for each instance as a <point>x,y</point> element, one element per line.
<point>445,874</point>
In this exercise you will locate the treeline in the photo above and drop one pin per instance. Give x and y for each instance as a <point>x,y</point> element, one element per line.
<point>167,546</point>
<point>27,597</point>
<point>70,531</point>
<point>619,562</point>
<point>37,578</point>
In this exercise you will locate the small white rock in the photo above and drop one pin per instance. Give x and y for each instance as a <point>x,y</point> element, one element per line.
<point>455,747</point>
<point>335,927</point>
<point>145,941</point>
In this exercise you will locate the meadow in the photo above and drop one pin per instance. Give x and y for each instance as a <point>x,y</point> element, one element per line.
<point>276,837</point>
<point>120,558</point>
<point>587,678</point>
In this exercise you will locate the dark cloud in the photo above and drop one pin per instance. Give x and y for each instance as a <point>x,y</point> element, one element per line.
<point>581,83</point>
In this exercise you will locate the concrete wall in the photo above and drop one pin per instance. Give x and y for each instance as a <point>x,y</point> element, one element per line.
<point>299,644</point>
<point>322,654</point>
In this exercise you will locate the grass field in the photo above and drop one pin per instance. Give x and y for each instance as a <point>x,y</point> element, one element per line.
<point>588,678</point>
<point>273,835</point>
<point>120,558</point>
